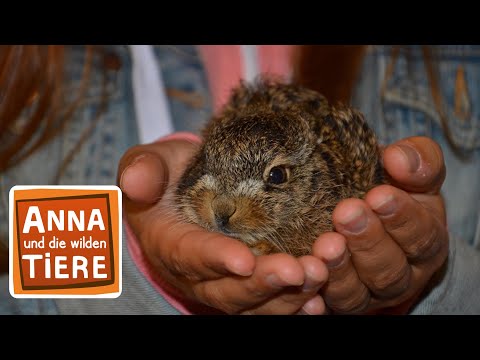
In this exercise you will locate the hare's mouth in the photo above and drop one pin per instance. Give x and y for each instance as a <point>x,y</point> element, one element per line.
<point>245,237</point>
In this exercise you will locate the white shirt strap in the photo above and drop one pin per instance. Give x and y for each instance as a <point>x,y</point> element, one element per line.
<point>151,104</point>
<point>251,67</point>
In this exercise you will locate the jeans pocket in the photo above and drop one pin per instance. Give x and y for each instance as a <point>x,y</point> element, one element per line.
<point>414,103</point>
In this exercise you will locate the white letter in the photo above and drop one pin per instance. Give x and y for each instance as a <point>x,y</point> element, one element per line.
<point>82,267</point>
<point>47,266</point>
<point>99,222</point>
<point>32,259</point>
<point>97,266</point>
<point>73,217</point>
<point>59,266</point>
<point>33,210</point>
<point>60,223</point>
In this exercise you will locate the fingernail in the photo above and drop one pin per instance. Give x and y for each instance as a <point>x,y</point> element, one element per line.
<point>124,178</point>
<point>412,157</point>
<point>385,206</point>
<point>355,222</point>
<point>334,263</point>
<point>275,281</point>
<point>311,282</point>
<point>309,285</point>
<point>314,306</point>
<point>239,269</point>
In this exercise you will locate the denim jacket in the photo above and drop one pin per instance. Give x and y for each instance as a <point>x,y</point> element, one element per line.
<point>405,109</point>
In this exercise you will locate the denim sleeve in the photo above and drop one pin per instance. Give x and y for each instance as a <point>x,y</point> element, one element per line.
<point>405,107</point>
<point>455,290</point>
<point>138,296</point>
<point>12,306</point>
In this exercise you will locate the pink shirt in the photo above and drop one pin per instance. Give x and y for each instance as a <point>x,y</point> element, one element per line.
<point>224,65</point>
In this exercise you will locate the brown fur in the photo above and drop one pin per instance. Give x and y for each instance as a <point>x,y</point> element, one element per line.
<point>330,152</point>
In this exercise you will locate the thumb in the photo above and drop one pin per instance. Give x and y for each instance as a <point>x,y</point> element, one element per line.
<point>146,171</point>
<point>415,164</point>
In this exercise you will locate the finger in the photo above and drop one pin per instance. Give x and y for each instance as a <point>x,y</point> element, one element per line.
<point>420,232</point>
<point>198,255</point>
<point>272,274</point>
<point>145,179</point>
<point>145,171</point>
<point>415,164</point>
<point>314,306</point>
<point>380,263</point>
<point>316,274</point>
<point>292,299</point>
<point>344,292</point>
<point>315,278</point>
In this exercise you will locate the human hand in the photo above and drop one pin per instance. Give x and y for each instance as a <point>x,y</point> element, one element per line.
<point>387,246</point>
<point>210,268</point>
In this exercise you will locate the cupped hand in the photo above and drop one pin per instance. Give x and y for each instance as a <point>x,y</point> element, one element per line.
<point>207,267</point>
<point>387,247</point>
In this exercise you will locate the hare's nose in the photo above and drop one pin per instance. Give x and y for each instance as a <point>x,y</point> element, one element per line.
<point>222,221</point>
<point>223,208</point>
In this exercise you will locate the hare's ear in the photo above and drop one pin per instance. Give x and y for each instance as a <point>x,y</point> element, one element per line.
<point>240,96</point>
<point>264,89</point>
<point>194,171</point>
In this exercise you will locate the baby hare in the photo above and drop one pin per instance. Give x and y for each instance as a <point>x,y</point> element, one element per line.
<point>273,165</point>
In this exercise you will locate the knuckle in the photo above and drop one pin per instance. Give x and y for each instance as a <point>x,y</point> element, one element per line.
<point>364,244</point>
<point>176,258</point>
<point>393,282</point>
<point>425,247</point>
<point>255,290</point>
<point>399,223</point>
<point>355,304</point>
<point>214,297</point>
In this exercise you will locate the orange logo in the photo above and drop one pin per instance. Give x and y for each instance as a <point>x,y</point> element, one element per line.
<point>65,241</point>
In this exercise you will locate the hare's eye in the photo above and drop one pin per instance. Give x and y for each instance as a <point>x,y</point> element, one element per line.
<point>278,175</point>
